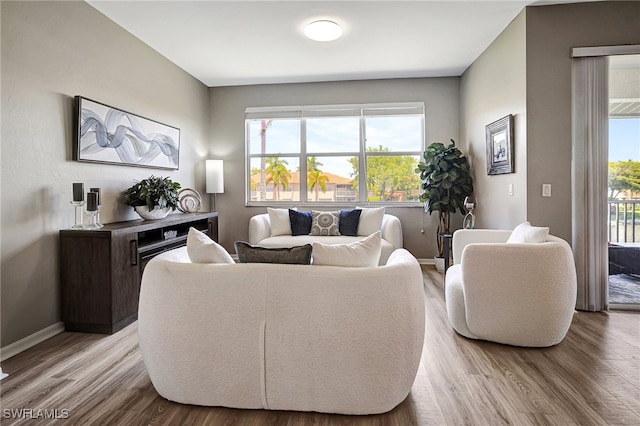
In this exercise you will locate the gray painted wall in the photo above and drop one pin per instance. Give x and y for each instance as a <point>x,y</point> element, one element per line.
<point>441,98</point>
<point>552,31</point>
<point>491,88</point>
<point>52,51</point>
<point>527,72</point>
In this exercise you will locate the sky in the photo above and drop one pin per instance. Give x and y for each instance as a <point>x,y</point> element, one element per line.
<point>624,139</point>
<point>283,137</point>
<point>399,134</point>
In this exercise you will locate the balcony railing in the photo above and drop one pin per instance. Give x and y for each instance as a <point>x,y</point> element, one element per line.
<point>624,221</point>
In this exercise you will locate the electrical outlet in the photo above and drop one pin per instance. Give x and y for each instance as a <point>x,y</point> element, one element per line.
<point>546,190</point>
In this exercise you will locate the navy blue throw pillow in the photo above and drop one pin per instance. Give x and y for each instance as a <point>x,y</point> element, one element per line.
<point>300,222</point>
<point>349,220</point>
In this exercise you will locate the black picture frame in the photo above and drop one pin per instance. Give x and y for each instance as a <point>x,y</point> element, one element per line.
<point>500,149</point>
<point>107,135</point>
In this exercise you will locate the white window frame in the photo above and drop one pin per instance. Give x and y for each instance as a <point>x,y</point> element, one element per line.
<point>361,111</point>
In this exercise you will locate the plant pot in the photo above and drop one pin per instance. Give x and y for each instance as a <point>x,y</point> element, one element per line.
<point>439,261</point>
<point>156,213</point>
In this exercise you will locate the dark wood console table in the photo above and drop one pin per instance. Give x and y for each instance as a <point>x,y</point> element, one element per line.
<point>101,268</point>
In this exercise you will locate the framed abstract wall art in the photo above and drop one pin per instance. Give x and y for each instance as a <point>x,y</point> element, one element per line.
<point>105,134</point>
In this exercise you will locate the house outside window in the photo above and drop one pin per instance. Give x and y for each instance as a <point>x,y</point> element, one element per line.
<point>337,154</point>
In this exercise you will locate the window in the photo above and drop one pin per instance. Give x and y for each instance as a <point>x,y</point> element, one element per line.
<point>342,154</point>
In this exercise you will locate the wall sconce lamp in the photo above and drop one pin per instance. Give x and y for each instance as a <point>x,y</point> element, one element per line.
<point>214,170</point>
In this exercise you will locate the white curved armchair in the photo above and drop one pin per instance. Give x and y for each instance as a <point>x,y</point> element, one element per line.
<point>511,293</point>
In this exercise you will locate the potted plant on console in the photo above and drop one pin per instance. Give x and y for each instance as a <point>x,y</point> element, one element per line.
<point>445,182</point>
<point>153,198</point>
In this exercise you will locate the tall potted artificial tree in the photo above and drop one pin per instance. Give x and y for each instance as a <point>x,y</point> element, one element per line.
<point>446,181</point>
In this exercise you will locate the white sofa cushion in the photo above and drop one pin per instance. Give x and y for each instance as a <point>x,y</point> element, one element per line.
<point>280,223</point>
<point>370,220</point>
<point>525,233</point>
<point>363,253</point>
<point>202,249</point>
<point>288,241</point>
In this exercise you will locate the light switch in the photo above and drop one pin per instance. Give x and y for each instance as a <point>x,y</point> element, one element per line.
<point>546,190</point>
<point>511,189</point>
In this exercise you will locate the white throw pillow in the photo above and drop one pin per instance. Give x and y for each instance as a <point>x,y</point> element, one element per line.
<point>202,249</point>
<point>363,253</point>
<point>370,220</point>
<point>280,222</point>
<point>525,233</point>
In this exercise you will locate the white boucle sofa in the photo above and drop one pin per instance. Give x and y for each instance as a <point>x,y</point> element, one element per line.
<point>260,234</point>
<point>282,337</point>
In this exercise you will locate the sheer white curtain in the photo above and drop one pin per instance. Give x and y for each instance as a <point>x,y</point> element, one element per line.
<point>589,180</point>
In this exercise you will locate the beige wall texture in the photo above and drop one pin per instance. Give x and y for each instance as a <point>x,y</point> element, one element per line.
<point>492,87</point>
<point>52,51</point>
<point>441,98</point>
<point>551,33</point>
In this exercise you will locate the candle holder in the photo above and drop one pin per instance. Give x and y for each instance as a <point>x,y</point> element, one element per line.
<point>78,207</point>
<point>93,209</point>
<point>469,221</point>
<point>98,203</point>
<point>93,220</point>
<point>98,224</point>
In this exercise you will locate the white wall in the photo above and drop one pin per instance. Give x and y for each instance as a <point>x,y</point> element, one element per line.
<point>491,88</point>
<point>441,98</point>
<point>52,51</point>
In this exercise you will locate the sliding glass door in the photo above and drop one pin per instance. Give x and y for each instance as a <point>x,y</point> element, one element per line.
<point>624,182</point>
<point>598,221</point>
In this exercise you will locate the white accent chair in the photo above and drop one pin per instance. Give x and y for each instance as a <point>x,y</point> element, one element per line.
<point>516,294</point>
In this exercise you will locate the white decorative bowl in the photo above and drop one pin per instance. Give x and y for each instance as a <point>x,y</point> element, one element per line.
<point>156,213</point>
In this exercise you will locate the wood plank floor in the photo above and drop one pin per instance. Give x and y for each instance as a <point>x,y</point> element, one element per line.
<point>591,378</point>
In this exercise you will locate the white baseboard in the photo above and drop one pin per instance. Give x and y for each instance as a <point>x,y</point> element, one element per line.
<point>38,337</point>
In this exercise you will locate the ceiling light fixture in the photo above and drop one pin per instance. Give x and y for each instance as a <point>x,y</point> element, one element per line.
<point>323,30</point>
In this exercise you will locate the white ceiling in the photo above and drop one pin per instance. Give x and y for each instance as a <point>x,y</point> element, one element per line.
<point>226,43</point>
